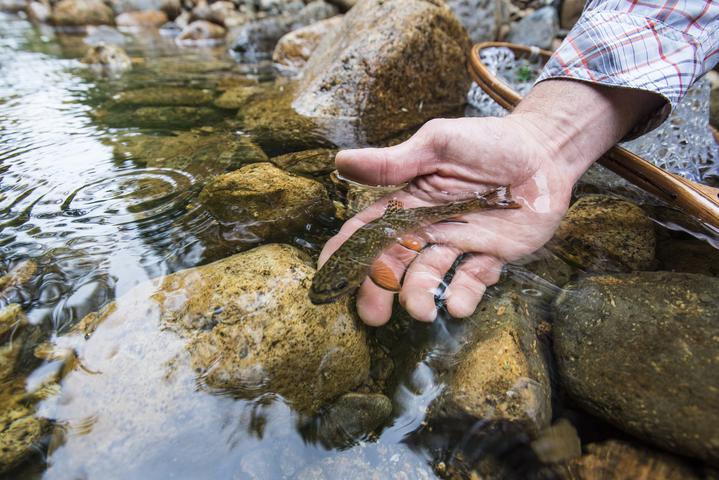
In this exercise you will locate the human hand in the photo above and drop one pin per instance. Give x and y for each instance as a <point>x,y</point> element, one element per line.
<point>443,158</point>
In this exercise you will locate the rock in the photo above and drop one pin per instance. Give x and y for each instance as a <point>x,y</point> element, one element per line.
<point>104,34</point>
<point>12,6</point>
<point>390,64</point>
<point>481,18</point>
<point>343,5</point>
<point>351,417</point>
<point>77,13</point>
<point>294,48</point>
<point>107,57</point>
<point>624,461</point>
<point>503,375</point>
<point>256,40</point>
<point>146,19</point>
<point>167,118</point>
<point>689,255</point>
<point>641,350</point>
<point>605,234</point>
<point>20,430</point>
<point>221,12</point>
<point>13,335</point>
<point>569,12</point>
<point>203,155</point>
<point>178,354</point>
<point>201,32</point>
<point>165,96</point>
<point>277,128</point>
<point>39,12</point>
<point>238,97</point>
<point>18,275</point>
<point>316,162</point>
<point>537,29</point>
<point>261,202</point>
<point>558,443</point>
<point>172,8</point>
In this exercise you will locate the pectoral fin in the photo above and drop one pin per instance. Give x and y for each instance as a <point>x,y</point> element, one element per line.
<point>411,242</point>
<point>384,277</point>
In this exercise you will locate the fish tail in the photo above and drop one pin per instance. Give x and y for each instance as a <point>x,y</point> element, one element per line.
<point>500,197</point>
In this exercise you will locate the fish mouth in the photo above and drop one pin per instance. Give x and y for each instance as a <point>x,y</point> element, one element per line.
<point>325,297</point>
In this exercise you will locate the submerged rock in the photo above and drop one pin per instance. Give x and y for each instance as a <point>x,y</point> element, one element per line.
<point>14,332</point>
<point>20,430</point>
<point>77,13</point>
<point>641,350</point>
<point>165,96</point>
<point>689,255</point>
<point>146,19</point>
<point>238,97</point>
<point>294,48</point>
<point>167,118</point>
<point>316,162</point>
<point>256,40</point>
<point>351,417</point>
<point>622,460</point>
<point>260,202</point>
<point>503,375</point>
<point>601,233</point>
<point>391,64</point>
<point>201,154</point>
<point>107,57</point>
<point>277,128</point>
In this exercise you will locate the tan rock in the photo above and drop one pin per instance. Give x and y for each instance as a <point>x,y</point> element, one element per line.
<point>20,430</point>
<point>319,161</point>
<point>146,19</point>
<point>202,31</point>
<point>504,374</point>
<point>75,13</point>
<point>294,48</point>
<point>391,64</point>
<point>260,202</point>
<point>107,57</point>
<point>604,233</point>
<point>238,97</point>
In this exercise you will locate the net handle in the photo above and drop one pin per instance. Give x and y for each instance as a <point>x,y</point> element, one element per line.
<point>697,200</point>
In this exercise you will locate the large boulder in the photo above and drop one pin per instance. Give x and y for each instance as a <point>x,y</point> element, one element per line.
<point>205,353</point>
<point>390,64</point>
<point>601,233</point>
<point>503,375</point>
<point>77,13</point>
<point>260,202</point>
<point>641,350</point>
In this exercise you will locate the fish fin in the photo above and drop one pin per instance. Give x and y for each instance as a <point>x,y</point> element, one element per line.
<point>500,197</point>
<point>393,206</point>
<point>384,277</point>
<point>411,242</point>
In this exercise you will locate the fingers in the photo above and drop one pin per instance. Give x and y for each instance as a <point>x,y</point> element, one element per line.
<point>423,277</point>
<point>470,281</point>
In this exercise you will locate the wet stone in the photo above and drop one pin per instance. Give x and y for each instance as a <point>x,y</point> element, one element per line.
<point>601,233</point>
<point>624,461</point>
<point>146,19</point>
<point>503,373</point>
<point>165,96</point>
<point>20,430</point>
<point>294,48</point>
<point>260,202</point>
<point>202,32</point>
<point>201,154</point>
<point>237,97</point>
<point>640,350</point>
<point>352,417</point>
<point>107,57</point>
<point>316,162</point>
<point>160,117</point>
<point>688,255</point>
<point>273,124</point>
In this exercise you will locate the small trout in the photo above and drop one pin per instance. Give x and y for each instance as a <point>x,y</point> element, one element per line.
<point>345,270</point>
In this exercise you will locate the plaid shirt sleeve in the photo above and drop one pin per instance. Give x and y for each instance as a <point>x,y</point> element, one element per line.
<point>661,46</point>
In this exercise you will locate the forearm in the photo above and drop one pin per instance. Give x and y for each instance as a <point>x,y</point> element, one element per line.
<point>579,121</point>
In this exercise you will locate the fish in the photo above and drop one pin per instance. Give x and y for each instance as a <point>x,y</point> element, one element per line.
<point>354,260</point>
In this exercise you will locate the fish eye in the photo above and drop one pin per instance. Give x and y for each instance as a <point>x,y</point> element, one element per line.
<point>341,284</point>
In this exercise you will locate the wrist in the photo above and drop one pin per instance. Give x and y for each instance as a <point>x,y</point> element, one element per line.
<point>577,122</point>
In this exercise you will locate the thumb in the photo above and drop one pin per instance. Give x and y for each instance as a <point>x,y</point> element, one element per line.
<point>384,166</point>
